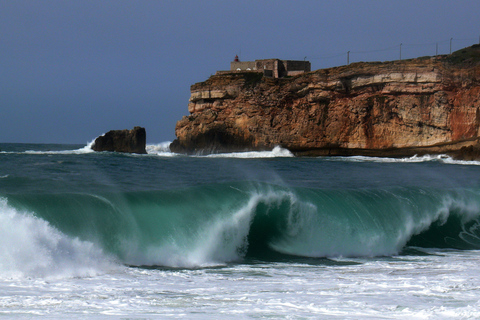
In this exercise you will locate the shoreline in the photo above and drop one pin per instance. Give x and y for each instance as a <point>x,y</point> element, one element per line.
<point>468,150</point>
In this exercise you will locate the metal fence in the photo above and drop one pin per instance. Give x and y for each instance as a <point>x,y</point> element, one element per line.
<point>395,52</point>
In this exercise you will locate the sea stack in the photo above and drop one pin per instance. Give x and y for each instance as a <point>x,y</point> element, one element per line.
<point>428,105</point>
<point>128,141</point>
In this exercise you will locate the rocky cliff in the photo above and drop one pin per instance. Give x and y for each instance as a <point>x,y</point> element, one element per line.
<point>421,106</point>
<point>128,141</point>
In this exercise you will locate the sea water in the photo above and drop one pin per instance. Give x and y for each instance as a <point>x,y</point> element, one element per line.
<point>246,235</point>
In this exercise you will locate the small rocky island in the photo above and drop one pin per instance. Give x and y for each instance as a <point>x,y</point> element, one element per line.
<point>428,105</point>
<point>128,141</point>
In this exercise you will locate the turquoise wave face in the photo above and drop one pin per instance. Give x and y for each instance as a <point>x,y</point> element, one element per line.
<point>225,222</point>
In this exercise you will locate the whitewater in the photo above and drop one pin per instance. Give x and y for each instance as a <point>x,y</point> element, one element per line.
<point>241,235</point>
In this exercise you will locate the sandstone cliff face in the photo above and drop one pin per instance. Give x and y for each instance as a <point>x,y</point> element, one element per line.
<point>399,108</point>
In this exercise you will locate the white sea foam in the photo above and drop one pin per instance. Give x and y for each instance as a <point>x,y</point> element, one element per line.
<point>83,150</point>
<point>87,148</point>
<point>442,158</point>
<point>449,160</point>
<point>32,248</point>
<point>277,152</point>
<point>414,159</point>
<point>442,285</point>
<point>161,149</point>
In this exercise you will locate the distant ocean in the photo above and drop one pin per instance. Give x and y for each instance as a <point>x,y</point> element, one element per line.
<point>256,235</point>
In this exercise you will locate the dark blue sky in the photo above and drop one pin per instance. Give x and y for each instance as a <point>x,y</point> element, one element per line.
<point>72,70</point>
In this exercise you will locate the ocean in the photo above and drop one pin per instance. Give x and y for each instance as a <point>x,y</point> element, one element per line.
<point>255,235</point>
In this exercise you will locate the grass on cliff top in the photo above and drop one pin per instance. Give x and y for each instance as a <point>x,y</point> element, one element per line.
<point>464,57</point>
<point>252,78</point>
<point>469,55</point>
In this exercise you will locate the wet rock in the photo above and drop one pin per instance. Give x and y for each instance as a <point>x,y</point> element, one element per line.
<point>129,141</point>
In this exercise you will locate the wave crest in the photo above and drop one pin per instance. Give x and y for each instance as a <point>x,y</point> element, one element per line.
<point>31,247</point>
<point>221,223</point>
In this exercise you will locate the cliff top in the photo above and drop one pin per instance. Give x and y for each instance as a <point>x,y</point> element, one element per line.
<point>464,58</point>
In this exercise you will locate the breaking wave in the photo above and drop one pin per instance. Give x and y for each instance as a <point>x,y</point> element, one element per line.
<point>163,149</point>
<point>78,234</point>
<point>277,152</point>
<point>441,158</point>
<point>32,247</point>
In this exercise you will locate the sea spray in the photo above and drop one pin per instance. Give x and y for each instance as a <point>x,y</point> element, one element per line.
<point>224,239</point>
<point>161,149</point>
<point>31,247</point>
<point>277,152</point>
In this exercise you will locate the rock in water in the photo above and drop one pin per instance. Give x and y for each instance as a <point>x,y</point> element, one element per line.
<point>129,141</point>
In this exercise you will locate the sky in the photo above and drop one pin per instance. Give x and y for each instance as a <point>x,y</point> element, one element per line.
<point>73,70</point>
